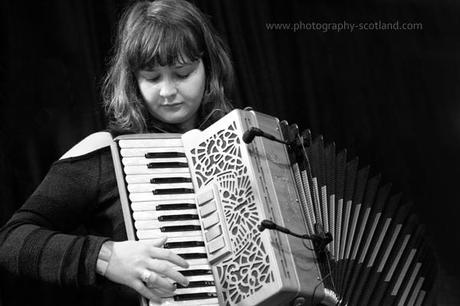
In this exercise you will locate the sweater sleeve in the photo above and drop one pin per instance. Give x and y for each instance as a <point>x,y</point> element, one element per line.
<point>39,241</point>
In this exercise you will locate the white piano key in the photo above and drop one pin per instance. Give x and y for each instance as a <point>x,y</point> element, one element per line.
<point>149,196</point>
<point>184,239</point>
<point>155,233</point>
<point>152,224</point>
<point>150,143</point>
<point>144,215</point>
<point>145,170</point>
<point>144,206</point>
<point>177,212</point>
<point>149,205</point>
<point>200,302</point>
<point>146,224</point>
<point>150,187</point>
<point>145,178</point>
<point>177,199</point>
<point>156,213</point>
<point>196,278</point>
<point>211,289</point>
<point>189,250</point>
<point>143,151</point>
<point>130,161</point>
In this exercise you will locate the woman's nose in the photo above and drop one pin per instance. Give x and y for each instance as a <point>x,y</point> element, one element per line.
<point>168,88</point>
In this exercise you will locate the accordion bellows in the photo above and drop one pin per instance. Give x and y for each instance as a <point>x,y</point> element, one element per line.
<point>227,188</point>
<point>378,255</point>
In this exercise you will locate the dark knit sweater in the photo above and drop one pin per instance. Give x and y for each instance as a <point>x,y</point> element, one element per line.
<point>53,240</point>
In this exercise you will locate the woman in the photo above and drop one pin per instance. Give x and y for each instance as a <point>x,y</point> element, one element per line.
<point>170,73</point>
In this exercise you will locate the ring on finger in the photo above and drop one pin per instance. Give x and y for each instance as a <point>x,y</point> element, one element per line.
<point>146,276</point>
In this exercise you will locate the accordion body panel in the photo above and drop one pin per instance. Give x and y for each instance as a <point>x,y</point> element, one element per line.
<point>255,182</point>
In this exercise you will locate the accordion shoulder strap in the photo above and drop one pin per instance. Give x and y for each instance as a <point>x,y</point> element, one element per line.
<point>91,143</point>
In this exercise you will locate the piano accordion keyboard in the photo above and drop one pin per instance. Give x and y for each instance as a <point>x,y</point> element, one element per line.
<point>162,203</point>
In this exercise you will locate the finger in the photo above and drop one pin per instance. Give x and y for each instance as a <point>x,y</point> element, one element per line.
<point>140,287</point>
<point>163,267</point>
<point>162,293</point>
<point>157,242</point>
<point>169,256</point>
<point>157,281</point>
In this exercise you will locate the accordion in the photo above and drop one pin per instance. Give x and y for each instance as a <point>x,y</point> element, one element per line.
<point>266,215</point>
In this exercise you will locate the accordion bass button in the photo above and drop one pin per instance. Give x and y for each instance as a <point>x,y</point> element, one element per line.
<point>204,197</point>
<point>210,221</point>
<point>213,233</point>
<point>215,245</point>
<point>208,208</point>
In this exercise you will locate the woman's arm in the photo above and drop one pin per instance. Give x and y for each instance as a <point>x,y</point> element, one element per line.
<point>38,241</point>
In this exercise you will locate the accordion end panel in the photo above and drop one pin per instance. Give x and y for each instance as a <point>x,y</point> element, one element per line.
<point>284,209</point>
<point>250,267</point>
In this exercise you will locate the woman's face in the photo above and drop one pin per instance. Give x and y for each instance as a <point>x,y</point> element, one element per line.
<point>173,94</point>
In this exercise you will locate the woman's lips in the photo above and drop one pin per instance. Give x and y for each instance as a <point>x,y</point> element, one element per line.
<point>173,104</point>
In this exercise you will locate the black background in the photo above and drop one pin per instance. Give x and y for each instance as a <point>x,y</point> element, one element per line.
<point>389,97</point>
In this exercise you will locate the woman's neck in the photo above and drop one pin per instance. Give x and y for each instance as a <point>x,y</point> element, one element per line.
<point>188,125</point>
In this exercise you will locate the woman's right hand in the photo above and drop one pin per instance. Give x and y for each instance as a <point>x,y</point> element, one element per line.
<point>146,267</point>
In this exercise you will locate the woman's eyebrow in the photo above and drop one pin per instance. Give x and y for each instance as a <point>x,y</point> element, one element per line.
<point>148,70</point>
<point>180,65</point>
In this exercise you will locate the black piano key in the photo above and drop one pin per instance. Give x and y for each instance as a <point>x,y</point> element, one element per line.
<point>196,284</point>
<point>183,244</point>
<point>180,228</point>
<point>178,217</point>
<point>170,180</point>
<point>167,165</point>
<point>164,154</point>
<point>172,191</point>
<point>195,296</point>
<point>177,206</point>
<point>193,255</point>
<point>196,272</point>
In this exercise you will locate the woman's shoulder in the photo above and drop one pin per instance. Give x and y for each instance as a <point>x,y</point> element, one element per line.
<point>88,145</point>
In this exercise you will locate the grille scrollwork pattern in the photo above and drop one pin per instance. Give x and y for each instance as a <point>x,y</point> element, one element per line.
<point>247,269</point>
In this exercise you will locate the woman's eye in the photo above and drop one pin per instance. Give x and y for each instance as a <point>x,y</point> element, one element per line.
<point>183,75</point>
<point>153,79</point>
<point>184,72</point>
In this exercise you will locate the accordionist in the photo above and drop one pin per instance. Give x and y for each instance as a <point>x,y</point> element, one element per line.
<point>170,72</point>
<point>248,211</point>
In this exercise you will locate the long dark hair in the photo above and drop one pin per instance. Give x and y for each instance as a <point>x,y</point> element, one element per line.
<point>163,32</point>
